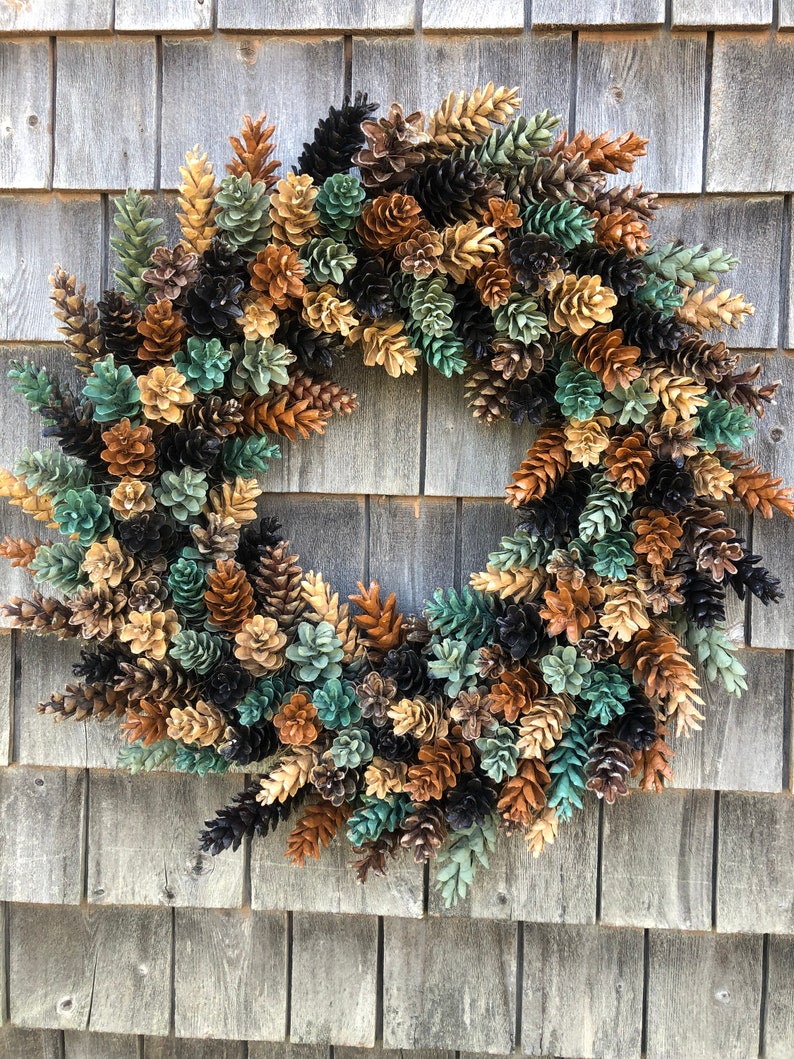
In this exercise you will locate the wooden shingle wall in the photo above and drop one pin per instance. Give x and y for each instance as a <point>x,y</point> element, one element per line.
<point>663,927</point>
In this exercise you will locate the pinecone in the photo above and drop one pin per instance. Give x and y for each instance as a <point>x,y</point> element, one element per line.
<point>536,258</point>
<point>162,331</point>
<point>98,612</point>
<point>703,361</point>
<point>528,401</point>
<point>391,154</point>
<point>472,322</point>
<point>376,693</point>
<point>369,289</point>
<point>215,415</point>
<point>749,575</point>
<point>336,139</point>
<point>314,350</point>
<point>423,832</point>
<point>624,274</point>
<point>453,190</point>
<point>393,747</point>
<point>387,220</point>
<point>213,305</point>
<point>76,429</point>
<point>171,272</point>
<point>596,645</point>
<point>147,594</point>
<point>669,487</point>
<point>704,600</point>
<point>182,447</point>
<point>608,767</point>
<point>255,538</point>
<point>81,701</point>
<point>637,726</point>
<point>559,510</point>
<point>147,535</point>
<point>243,818</point>
<point>227,684</point>
<point>229,596</point>
<point>407,668</point>
<point>129,450</point>
<point>101,664</point>
<point>520,630</point>
<point>487,394</point>
<point>276,581</point>
<point>118,320</point>
<point>334,784</point>
<point>157,681</point>
<point>469,803</point>
<point>652,331</point>
<point>244,743</point>
<point>516,361</point>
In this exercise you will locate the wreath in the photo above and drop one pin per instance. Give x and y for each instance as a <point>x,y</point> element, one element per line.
<point>477,241</point>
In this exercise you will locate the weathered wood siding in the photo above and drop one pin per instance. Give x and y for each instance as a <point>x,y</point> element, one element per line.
<point>663,927</point>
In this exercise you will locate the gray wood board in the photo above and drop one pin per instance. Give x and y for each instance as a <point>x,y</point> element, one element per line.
<point>708,13</point>
<point>317,15</point>
<point>559,886</point>
<point>420,72</point>
<point>744,67</point>
<point>755,869</point>
<point>741,745</point>
<point>703,995</point>
<point>190,1048</point>
<point>773,539</point>
<point>284,1050</point>
<point>582,991</point>
<point>412,547</point>
<point>6,694</point>
<point>36,232</point>
<point>779,1021</point>
<point>42,814</point>
<point>229,76</point>
<point>597,12</point>
<point>334,975</point>
<point>654,85</point>
<point>449,983</point>
<point>105,114</point>
<point>143,846</point>
<point>656,860</point>
<point>329,885</point>
<point>750,229</point>
<point>374,450</point>
<point>107,969</point>
<point>16,1043</point>
<point>163,16</point>
<point>483,524</point>
<point>55,16</point>
<point>230,974</point>
<point>25,141</point>
<point>444,15</point>
<point>79,1045</point>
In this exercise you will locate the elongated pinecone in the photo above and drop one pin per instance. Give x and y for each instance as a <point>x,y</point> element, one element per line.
<point>101,664</point>
<point>244,817</point>
<point>622,273</point>
<point>244,744</point>
<point>453,190</point>
<point>181,447</point>
<point>369,289</point>
<point>469,803</point>
<point>408,669</point>
<point>704,600</point>
<point>556,512</point>
<point>652,331</point>
<point>472,322</point>
<point>254,539</point>
<point>118,320</point>
<point>336,139</point>
<point>76,429</point>
<point>520,630</point>
<point>757,579</point>
<point>608,767</point>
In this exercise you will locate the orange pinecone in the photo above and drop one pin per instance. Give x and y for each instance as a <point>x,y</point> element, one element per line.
<point>440,765</point>
<point>622,230</point>
<point>380,622</point>
<point>315,829</point>
<point>514,693</point>
<point>388,220</point>
<point>163,332</point>
<point>628,461</point>
<point>278,272</point>
<point>130,450</point>
<point>658,535</point>
<point>570,611</point>
<point>253,150</point>
<point>296,722</point>
<point>602,352</point>
<point>19,551</point>
<point>493,281</point>
<point>502,215</point>
<point>229,596</point>
<point>525,793</point>
<point>282,414</point>
<point>545,464</point>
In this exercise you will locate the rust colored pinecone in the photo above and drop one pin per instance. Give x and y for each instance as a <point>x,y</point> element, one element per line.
<point>388,220</point>
<point>628,461</point>
<point>486,394</point>
<point>494,282</point>
<point>602,351</point>
<point>171,272</point>
<point>424,832</point>
<point>296,722</point>
<point>81,701</point>
<point>129,450</point>
<point>277,586</point>
<point>439,766</point>
<point>163,332</point>
<point>514,693</point>
<point>229,596</point>
<point>334,784</point>
<point>392,148</point>
<point>278,272</point>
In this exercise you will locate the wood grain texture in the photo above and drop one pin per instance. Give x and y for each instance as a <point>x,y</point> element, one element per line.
<point>466,457</point>
<point>107,969</point>
<point>773,625</point>
<point>656,860</point>
<point>313,15</point>
<point>6,695</point>
<point>104,114</point>
<point>190,1048</point>
<point>240,959</point>
<point>470,15</point>
<point>42,813</point>
<point>55,16</point>
<point>779,1022</point>
<point>618,88</point>
<point>411,547</point>
<point>741,745</point>
<point>29,1044</point>
<point>744,66</point>
<point>99,1046</point>
<point>163,16</point>
<point>36,231</point>
<point>329,885</point>
<point>374,450</point>
<point>143,846</point>
<point>27,114</point>
<point>335,1005</point>
<point>390,1053</point>
<point>786,14</point>
<point>559,886</point>
<point>755,871</point>
<point>704,995</point>
<point>420,72</point>
<point>750,229</point>
<point>429,1003</point>
<point>597,12</point>
<point>226,77</point>
<point>483,524</point>
<point>582,991</point>
<point>707,13</point>
<point>284,1050</point>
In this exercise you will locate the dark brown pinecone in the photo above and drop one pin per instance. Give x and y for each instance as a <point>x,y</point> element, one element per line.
<point>75,427</point>
<point>277,586</point>
<point>486,394</point>
<point>536,257</point>
<point>702,361</point>
<point>40,614</point>
<point>423,832</point>
<point>492,661</point>
<point>375,697</point>
<point>146,678</point>
<point>595,645</point>
<point>119,320</point>
<point>172,272</point>
<point>608,767</point>
<point>391,152</point>
<point>415,629</point>
<point>373,856</point>
<point>217,416</point>
<point>81,701</point>
<point>218,539</point>
<point>514,360</point>
<point>148,594</point>
<point>334,784</point>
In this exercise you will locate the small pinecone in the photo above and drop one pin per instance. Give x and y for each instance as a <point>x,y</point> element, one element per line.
<point>246,743</point>
<point>244,817</point>
<point>757,579</point>
<point>213,305</point>
<point>487,394</point>
<point>147,535</point>
<point>622,273</point>
<point>637,726</point>
<point>472,322</point>
<point>314,350</point>
<point>528,400</point>
<point>254,538</point>
<point>453,190</point>
<point>516,361</point>
<point>220,261</point>
<point>423,832</point>
<point>596,645</point>
<point>521,631</point>
<point>669,487</point>
<point>559,510</point>
<point>218,416</point>
<point>118,320</point>
<point>704,600</point>
<point>375,696</point>
<point>336,139</point>
<point>408,669</point>
<point>390,154</point>
<point>469,803</point>
<point>492,661</point>
<point>393,747</point>
<point>76,428</point>
<point>334,784</point>
<point>652,331</point>
<point>608,767</point>
<point>415,630</point>
<point>369,289</point>
<point>171,273</point>
<point>277,586</point>
<point>148,594</point>
<point>181,447</point>
<point>535,257</point>
<point>227,684</point>
<point>101,664</point>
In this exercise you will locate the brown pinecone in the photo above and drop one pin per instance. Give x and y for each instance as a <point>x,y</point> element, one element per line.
<point>129,451</point>
<point>595,645</point>
<point>388,220</point>
<point>218,416</point>
<point>171,273</point>
<point>710,541</point>
<point>334,784</point>
<point>322,394</point>
<point>147,594</point>
<point>219,538</point>
<point>492,661</point>
<point>119,319</point>
<point>373,856</point>
<point>494,282</point>
<point>702,361</point>
<point>229,596</point>
<point>391,151</point>
<point>79,317</point>
<point>486,394</point>
<point>163,332</point>
<point>98,612</point>
<point>40,614</point>
<point>278,272</point>
<point>147,723</point>
<point>514,693</point>
<point>420,253</point>
<point>602,351</point>
<point>415,629</point>
<point>472,711</point>
<point>609,766</point>
<point>439,766</point>
<point>628,460</point>
<point>375,697</point>
<point>514,360</point>
<point>81,701</point>
<point>424,832</point>
<point>277,586</point>
<point>157,681</point>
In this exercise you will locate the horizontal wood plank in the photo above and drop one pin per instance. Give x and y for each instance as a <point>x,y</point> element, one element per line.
<point>163,16</point>
<point>27,120</point>
<point>285,1050</point>
<point>56,16</point>
<point>707,13</point>
<point>16,1043</point>
<point>99,1046</point>
<point>190,1048</point>
<point>597,12</point>
<point>313,15</point>
<point>470,15</point>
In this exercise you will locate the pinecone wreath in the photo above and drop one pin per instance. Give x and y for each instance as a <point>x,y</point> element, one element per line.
<point>483,243</point>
